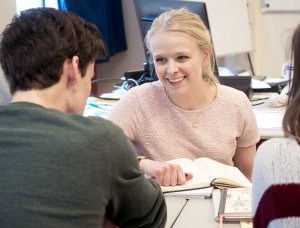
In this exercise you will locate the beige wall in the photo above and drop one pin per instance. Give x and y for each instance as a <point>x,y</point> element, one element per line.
<point>7,11</point>
<point>270,33</point>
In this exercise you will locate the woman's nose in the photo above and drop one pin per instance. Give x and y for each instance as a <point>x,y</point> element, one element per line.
<point>172,67</point>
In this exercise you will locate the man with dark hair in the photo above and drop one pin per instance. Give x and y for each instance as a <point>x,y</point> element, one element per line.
<point>58,168</point>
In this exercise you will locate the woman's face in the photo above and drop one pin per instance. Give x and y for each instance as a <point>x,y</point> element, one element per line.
<point>178,61</point>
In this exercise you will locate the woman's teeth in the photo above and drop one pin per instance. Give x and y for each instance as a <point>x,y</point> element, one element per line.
<point>175,79</point>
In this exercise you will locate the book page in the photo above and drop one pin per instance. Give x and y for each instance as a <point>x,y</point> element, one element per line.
<point>246,224</point>
<point>199,179</point>
<point>213,169</point>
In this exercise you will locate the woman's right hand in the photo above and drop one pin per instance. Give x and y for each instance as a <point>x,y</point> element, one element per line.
<point>166,174</point>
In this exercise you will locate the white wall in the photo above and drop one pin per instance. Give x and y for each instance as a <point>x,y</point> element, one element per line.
<point>7,11</point>
<point>270,33</point>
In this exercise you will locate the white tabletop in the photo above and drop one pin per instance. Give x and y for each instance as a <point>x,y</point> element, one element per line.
<point>269,119</point>
<point>195,213</point>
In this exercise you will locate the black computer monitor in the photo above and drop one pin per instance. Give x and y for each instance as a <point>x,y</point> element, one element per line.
<point>148,10</point>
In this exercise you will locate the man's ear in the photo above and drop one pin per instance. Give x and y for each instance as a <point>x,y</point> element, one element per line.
<point>74,72</point>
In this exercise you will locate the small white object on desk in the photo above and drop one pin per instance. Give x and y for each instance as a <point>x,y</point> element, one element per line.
<point>114,95</point>
<point>257,84</point>
<point>98,107</point>
<point>191,194</point>
<point>275,80</point>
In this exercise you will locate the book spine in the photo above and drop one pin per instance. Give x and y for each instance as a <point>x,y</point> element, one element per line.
<point>222,200</point>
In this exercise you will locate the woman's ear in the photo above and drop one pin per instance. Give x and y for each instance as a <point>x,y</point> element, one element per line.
<point>206,57</point>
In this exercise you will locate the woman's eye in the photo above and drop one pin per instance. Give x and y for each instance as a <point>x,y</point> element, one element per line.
<point>160,60</point>
<point>182,58</point>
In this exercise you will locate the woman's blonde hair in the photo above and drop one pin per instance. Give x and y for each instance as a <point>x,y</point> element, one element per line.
<point>184,21</point>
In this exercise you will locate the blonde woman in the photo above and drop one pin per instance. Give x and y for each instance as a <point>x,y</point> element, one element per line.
<point>187,113</point>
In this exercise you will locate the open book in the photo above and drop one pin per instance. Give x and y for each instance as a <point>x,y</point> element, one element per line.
<point>234,204</point>
<point>208,173</point>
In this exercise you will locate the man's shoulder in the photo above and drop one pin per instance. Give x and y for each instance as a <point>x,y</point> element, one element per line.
<point>97,124</point>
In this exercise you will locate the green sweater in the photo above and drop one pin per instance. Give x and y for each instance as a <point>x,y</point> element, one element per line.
<point>63,171</point>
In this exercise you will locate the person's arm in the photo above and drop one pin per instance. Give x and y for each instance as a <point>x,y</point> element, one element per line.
<point>243,160</point>
<point>108,224</point>
<point>165,174</point>
<point>136,201</point>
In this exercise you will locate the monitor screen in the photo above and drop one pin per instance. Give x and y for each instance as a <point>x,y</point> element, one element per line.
<point>148,10</point>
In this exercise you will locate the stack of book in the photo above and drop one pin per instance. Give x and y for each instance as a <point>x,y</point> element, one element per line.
<point>232,204</point>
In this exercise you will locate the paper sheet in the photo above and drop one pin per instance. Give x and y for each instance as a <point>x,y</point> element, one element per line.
<point>269,119</point>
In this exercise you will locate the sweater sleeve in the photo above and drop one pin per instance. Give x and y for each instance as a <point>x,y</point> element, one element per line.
<point>264,170</point>
<point>249,130</point>
<point>258,177</point>
<point>127,115</point>
<point>135,200</point>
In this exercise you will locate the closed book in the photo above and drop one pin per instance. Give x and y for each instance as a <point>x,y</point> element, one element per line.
<point>233,204</point>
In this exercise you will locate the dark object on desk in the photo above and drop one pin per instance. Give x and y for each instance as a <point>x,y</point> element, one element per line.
<point>134,74</point>
<point>139,77</point>
<point>276,87</point>
<point>242,83</point>
<point>281,83</point>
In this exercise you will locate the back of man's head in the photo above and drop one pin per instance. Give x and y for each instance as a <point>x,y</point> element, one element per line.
<point>37,42</point>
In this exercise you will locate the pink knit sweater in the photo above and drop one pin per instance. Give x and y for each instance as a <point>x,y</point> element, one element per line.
<point>162,131</point>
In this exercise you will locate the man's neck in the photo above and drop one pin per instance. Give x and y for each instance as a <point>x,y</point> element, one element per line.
<point>47,98</point>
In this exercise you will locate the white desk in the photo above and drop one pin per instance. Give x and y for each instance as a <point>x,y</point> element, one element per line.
<point>195,213</point>
<point>175,206</point>
<point>269,119</point>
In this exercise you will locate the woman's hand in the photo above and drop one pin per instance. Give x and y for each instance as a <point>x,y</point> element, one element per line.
<point>165,173</point>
